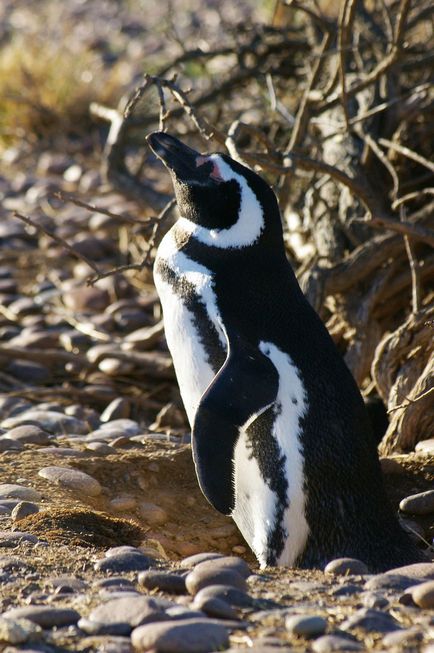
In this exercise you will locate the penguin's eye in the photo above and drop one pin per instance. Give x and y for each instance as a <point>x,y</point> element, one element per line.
<point>214,173</point>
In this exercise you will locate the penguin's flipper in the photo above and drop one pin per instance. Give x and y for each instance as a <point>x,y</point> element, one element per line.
<point>245,386</point>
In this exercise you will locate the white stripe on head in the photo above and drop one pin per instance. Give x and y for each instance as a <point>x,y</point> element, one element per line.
<point>247,228</point>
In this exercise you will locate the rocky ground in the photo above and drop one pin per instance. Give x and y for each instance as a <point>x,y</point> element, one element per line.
<point>101,515</point>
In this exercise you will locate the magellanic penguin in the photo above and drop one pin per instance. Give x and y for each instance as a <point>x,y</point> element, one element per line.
<point>280,438</point>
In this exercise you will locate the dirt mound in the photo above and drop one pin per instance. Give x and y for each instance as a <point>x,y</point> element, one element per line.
<point>83,528</point>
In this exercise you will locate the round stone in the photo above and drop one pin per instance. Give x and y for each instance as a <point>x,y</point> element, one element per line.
<point>72,479</point>
<point>133,610</point>
<point>9,490</point>
<point>215,607</point>
<point>371,620</point>
<point>29,434</point>
<point>231,595</point>
<point>128,561</point>
<point>346,566</point>
<point>44,615</point>
<point>163,581</point>
<point>423,595</point>
<point>306,625</point>
<point>193,560</point>
<point>18,631</point>
<point>153,514</point>
<point>330,643</point>
<point>418,504</point>
<point>24,509</point>
<point>184,636</point>
<point>198,579</point>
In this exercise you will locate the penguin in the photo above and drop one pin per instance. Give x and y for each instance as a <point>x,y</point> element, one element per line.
<point>280,436</point>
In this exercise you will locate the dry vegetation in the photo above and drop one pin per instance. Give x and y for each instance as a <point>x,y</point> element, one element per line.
<point>338,113</point>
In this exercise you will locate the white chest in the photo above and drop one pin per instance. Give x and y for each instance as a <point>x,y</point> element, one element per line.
<point>189,311</point>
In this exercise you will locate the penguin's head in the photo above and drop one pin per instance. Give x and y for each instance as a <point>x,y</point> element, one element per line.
<point>222,202</point>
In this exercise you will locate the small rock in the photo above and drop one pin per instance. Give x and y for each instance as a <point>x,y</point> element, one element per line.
<point>374,600</point>
<point>7,444</point>
<point>425,446</point>
<point>330,643</point>
<point>72,479</point>
<point>346,566</point>
<point>56,423</point>
<point>198,579</point>
<point>153,514</point>
<point>11,563</point>
<point>192,561</point>
<point>131,610</point>
<point>371,620</point>
<point>12,538</point>
<point>19,492</point>
<point>231,595</point>
<point>409,636</point>
<point>29,434</point>
<point>389,582</point>
<point>128,561</point>
<point>96,628</point>
<point>306,625</point>
<point>215,607</point>
<point>423,595</point>
<point>123,503</point>
<point>24,509</point>
<point>189,636</point>
<point>114,581</point>
<point>18,631</point>
<point>44,615</point>
<point>118,408</point>
<point>418,504</point>
<point>88,298</point>
<point>163,581</point>
<point>225,563</point>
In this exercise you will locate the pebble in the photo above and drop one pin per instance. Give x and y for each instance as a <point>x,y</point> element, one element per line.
<point>409,636</point>
<point>56,423</point>
<point>346,566</point>
<point>306,625</point>
<point>374,600</point>
<point>220,571</point>
<point>12,563</point>
<point>418,504</point>
<point>123,562</point>
<point>12,538</point>
<point>24,509</point>
<point>7,444</point>
<point>72,479</point>
<point>118,408</point>
<point>18,631</point>
<point>29,434</point>
<point>123,503</point>
<point>8,490</point>
<point>423,595</point>
<point>215,607</point>
<point>131,610</point>
<point>163,581</point>
<point>425,446</point>
<point>330,643</point>
<point>231,595</point>
<point>153,514</point>
<point>370,621</point>
<point>192,561</point>
<point>189,636</point>
<point>44,615</point>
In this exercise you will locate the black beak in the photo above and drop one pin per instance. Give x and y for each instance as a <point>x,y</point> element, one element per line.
<point>178,158</point>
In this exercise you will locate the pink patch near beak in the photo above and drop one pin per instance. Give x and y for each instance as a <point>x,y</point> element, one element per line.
<point>215,172</point>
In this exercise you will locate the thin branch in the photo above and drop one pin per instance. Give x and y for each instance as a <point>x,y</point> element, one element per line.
<point>122,217</point>
<point>412,196</point>
<point>57,239</point>
<point>412,401</point>
<point>405,151</point>
<point>414,267</point>
<point>346,21</point>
